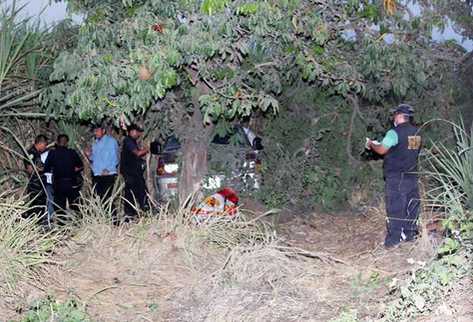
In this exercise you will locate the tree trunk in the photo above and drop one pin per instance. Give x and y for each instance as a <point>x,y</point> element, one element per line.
<point>195,146</point>
<point>194,168</point>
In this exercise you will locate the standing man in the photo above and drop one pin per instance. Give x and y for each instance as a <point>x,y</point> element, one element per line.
<point>104,161</point>
<point>65,165</point>
<point>400,147</point>
<point>36,185</point>
<point>132,167</point>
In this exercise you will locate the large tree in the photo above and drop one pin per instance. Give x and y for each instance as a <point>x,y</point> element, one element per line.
<point>188,66</point>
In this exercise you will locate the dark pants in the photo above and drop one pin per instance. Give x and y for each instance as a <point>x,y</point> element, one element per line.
<point>402,207</point>
<point>103,187</point>
<point>65,192</point>
<point>38,201</point>
<point>135,194</point>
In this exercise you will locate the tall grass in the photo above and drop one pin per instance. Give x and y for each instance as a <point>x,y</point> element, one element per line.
<point>20,43</point>
<point>24,245</point>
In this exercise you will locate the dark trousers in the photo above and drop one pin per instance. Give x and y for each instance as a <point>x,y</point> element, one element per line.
<point>64,192</point>
<point>135,194</point>
<point>103,187</point>
<point>38,202</point>
<point>402,207</point>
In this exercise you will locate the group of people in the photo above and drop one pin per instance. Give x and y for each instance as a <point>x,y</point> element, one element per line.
<point>55,173</point>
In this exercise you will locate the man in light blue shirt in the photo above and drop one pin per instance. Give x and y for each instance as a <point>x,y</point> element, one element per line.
<point>104,164</point>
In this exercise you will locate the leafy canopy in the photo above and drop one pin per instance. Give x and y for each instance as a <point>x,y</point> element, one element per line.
<point>238,55</point>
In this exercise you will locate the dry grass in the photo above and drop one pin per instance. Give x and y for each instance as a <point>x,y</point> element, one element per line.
<point>24,250</point>
<point>166,267</point>
<point>24,246</point>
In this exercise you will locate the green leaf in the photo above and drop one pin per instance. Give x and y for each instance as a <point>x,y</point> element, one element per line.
<point>449,246</point>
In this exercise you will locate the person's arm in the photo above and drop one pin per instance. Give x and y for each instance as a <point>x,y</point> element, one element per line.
<point>27,161</point>
<point>140,152</point>
<point>29,169</point>
<point>388,142</point>
<point>78,164</point>
<point>378,148</point>
<point>116,152</point>
<point>133,148</point>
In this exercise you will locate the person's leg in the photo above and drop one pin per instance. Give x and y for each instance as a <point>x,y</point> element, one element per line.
<point>35,204</point>
<point>108,185</point>
<point>395,208</point>
<point>73,194</point>
<point>129,197</point>
<point>38,207</point>
<point>140,193</point>
<point>412,210</point>
<point>99,186</point>
<point>60,200</point>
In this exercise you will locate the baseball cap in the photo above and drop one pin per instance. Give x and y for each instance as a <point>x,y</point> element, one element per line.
<point>135,127</point>
<point>403,109</point>
<point>97,126</point>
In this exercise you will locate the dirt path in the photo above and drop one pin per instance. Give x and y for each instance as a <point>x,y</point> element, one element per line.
<point>362,270</point>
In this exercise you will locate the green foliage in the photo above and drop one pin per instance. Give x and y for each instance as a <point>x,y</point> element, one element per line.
<point>449,246</point>
<point>248,9</point>
<point>452,178</point>
<point>306,162</point>
<point>392,70</point>
<point>453,167</point>
<point>211,6</point>
<point>197,41</point>
<point>427,286</point>
<point>53,310</point>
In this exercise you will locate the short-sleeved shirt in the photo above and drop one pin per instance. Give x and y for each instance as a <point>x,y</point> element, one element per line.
<point>130,164</point>
<point>34,158</point>
<point>390,139</point>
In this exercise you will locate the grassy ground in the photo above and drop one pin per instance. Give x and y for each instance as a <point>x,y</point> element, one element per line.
<point>319,268</point>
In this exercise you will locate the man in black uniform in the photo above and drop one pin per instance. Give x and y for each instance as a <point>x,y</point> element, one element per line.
<point>36,185</point>
<point>65,165</point>
<point>132,167</point>
<point>400,147</point>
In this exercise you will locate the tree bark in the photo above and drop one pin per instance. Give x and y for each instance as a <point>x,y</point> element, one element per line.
<point>195,146</point>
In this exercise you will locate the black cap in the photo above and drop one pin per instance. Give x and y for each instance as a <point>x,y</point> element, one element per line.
<point>97,126</point>
<point>135,127</point>
<point>403,109</point>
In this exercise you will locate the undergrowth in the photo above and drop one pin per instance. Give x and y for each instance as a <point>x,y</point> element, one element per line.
<point>50,309</point>
<point>306,164</point>
<point>24,245</point>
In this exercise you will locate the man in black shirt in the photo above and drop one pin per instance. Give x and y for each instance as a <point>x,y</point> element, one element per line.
<point>132,167</point>
<point>65,165</point>
<point>36,185</point>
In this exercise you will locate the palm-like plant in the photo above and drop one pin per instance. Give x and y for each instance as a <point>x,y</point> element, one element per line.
<point>453,167</point>
<point>21,42</point>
